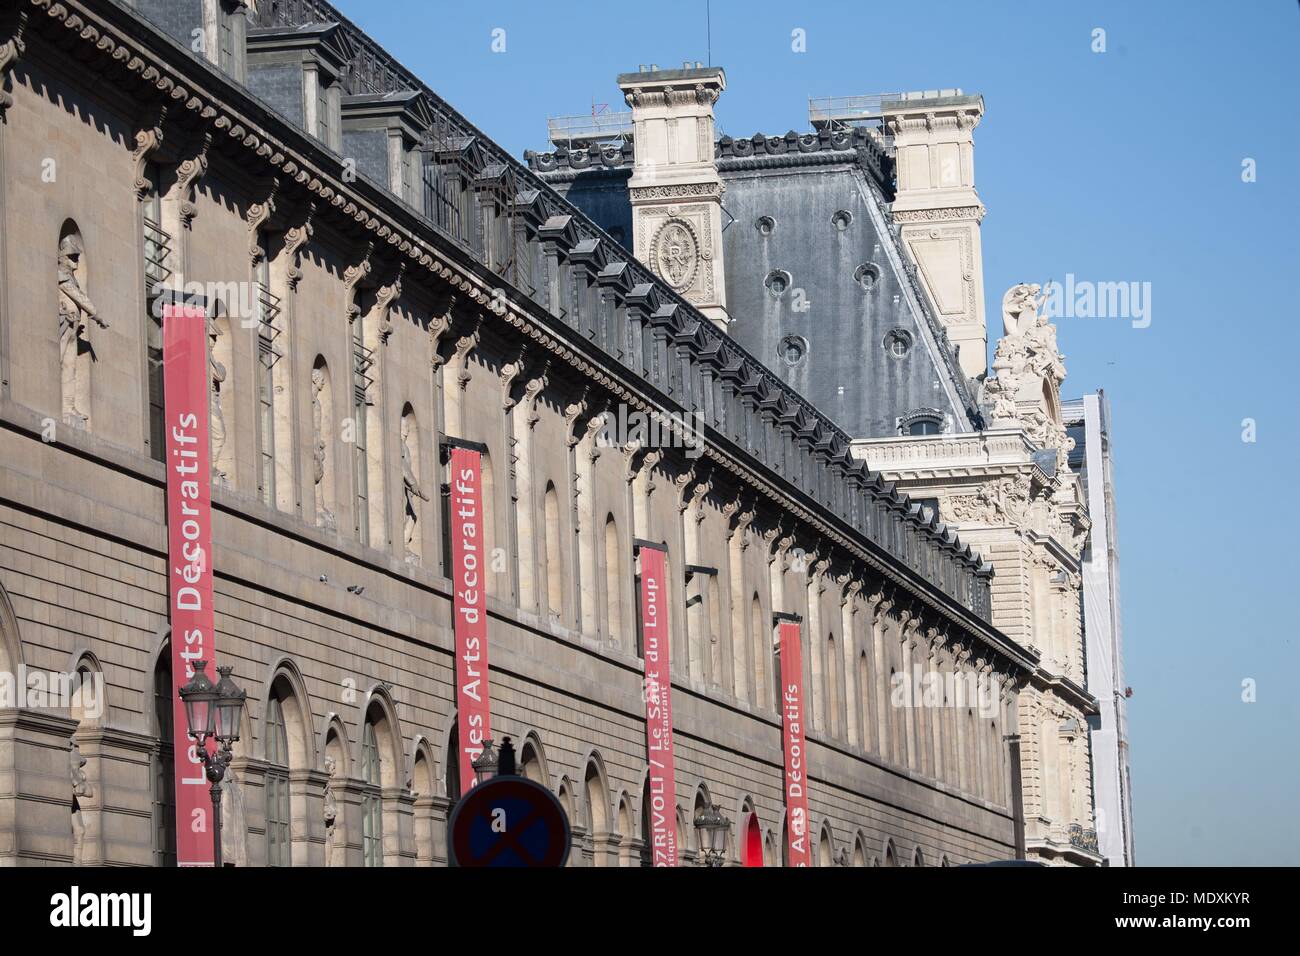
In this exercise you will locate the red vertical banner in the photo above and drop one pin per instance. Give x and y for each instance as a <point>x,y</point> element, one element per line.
<point>657,691</point>
<point>793,738</point>
<point>469,566</point>
<point>189,559</point>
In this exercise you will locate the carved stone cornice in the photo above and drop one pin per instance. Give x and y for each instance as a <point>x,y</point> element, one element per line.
<point>946,214</point>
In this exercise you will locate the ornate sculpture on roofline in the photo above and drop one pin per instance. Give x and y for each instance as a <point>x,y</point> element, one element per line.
<point>1028,368</point>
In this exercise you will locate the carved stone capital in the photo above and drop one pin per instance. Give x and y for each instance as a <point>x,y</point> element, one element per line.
<point>148,139</point>
<point>295,237</point>
<point>389,293</point>
<point>188,173</point>
<point>353,275</point>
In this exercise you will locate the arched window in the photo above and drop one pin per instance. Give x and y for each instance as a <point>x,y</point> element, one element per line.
<point>423,791</point>
<point>532,764</point>
<point>866,734</point>
<point>554,568</point>
<point>372,808</point>
<point>164,767</point>
<point>825,849</point>
<point>859,852</point>
<point>761,643</point>
<point>276,786</point>
<point>597,815</point>
<point>889,855</point>
<point>918,858</point>
<point>451,763</point>
<point>751,836</point>
<point>614,583</point>
<point>834,687</point>
<point>625,830</point>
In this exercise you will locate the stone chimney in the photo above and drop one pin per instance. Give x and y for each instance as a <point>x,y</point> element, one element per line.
<point>675,189</point>
<point>939,212</point>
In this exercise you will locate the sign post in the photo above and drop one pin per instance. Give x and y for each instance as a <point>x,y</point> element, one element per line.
<point>469,567</point>
<point>189,558</point>
<point>657,691</point>
<point>793,731</point>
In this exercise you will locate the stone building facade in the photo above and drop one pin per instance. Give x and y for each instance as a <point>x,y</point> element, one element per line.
<point>854,268</point>
<point>379,275</point>
<point>1010,490</point>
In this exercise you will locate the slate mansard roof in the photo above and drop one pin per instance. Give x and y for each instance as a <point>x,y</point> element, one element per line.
<point>806,214</point>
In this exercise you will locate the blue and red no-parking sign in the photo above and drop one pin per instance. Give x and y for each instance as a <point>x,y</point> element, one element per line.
<point>508,821</point>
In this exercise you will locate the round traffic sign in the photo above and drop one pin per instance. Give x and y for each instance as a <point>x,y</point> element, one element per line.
<point>508,821</point>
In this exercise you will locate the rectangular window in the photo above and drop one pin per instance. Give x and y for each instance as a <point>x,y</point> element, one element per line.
<point>323,130</point>
<point>268,310</point>
<point>372,818</point>
<point>226,41</point>
<point>157,247</point>
<point>362,360</point>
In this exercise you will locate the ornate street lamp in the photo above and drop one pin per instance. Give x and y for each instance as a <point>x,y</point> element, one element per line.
<point>485,764</point>
<point>213,710</point>
<point>712,828</point>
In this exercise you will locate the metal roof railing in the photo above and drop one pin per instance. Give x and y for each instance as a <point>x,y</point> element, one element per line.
<point>562,130</point>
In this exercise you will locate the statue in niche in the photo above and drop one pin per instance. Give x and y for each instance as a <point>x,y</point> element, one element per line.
<point>80,789</point>
<point>218,425</point>
<point>410,487</point>
<point>331,812</point>
<point>318,447</point>
<point>75,310</point>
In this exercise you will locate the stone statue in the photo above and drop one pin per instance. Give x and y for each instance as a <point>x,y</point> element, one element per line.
<point>331,812</point>
<point>1002,400</point>
<point>1020,308</point>
<point>218,425</point>
<point>318,447</point>
<point>410,486</point>
<point>75,310</point>
<point>80,788</point>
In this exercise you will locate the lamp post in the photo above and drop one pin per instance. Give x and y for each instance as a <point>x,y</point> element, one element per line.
<point>213,710</point>
<point>712,828</point>
<point>485,764</point>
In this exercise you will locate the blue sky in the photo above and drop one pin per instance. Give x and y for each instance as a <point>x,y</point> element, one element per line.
<point>1117,166</point>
